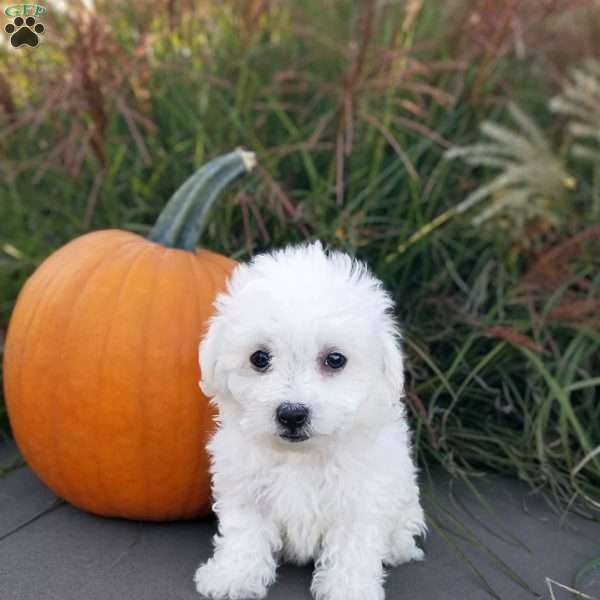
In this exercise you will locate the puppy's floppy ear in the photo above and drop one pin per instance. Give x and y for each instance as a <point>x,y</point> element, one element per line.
<point>393,364</point>
<point>208,357</point>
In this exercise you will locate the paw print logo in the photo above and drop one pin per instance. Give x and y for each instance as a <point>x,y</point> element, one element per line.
<point>24,31</point>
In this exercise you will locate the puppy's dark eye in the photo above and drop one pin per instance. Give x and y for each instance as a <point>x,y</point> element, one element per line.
<point>335,360</point>
<point>261,360</point>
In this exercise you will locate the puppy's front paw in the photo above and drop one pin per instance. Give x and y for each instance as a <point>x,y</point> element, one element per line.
<point>218,581</point>
<point>346,586</point>
<point>402,549</point>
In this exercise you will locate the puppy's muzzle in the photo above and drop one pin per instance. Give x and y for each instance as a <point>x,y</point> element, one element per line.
<point>293,418</point>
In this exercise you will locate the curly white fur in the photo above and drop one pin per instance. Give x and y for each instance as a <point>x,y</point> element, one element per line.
<point>345,497</point>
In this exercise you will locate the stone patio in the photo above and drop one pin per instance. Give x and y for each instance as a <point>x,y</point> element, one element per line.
<point>66,554</point>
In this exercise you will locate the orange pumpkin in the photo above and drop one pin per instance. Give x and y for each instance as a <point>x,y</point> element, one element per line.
<point>101,371</point>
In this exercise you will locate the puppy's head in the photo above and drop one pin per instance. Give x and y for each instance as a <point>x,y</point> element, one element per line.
<point>303,346</point>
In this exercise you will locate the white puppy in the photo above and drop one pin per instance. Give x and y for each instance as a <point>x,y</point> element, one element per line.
<point>311,459</point>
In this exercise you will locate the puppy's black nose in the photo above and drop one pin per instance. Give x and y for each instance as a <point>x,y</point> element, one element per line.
<point>292,416</point>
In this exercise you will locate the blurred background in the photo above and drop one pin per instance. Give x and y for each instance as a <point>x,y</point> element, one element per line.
<point>454,146</point>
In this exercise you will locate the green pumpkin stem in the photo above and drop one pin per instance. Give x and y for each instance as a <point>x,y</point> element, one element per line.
<point>181,222</point>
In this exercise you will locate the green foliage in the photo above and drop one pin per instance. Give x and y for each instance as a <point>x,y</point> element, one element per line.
<point>350,108</point>
<point>532,182</point>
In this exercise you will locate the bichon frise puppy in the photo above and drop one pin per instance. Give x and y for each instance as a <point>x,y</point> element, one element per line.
<point>311,459</point>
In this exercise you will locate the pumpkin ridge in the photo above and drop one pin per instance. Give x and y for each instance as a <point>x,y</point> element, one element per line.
<point>141,388</point>
<point>209,272</point>
<point>182,390</point>
<point>54,278</point>
<point>197,459</point>
<point>24,346</point>
<point>102,367</point>
<point>216,288</point>
<point>106,259</point>
<point>30,320</point>
<point>49,277</point>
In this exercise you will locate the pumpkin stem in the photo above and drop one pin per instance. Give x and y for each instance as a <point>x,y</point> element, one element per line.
<point>181,222</point>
